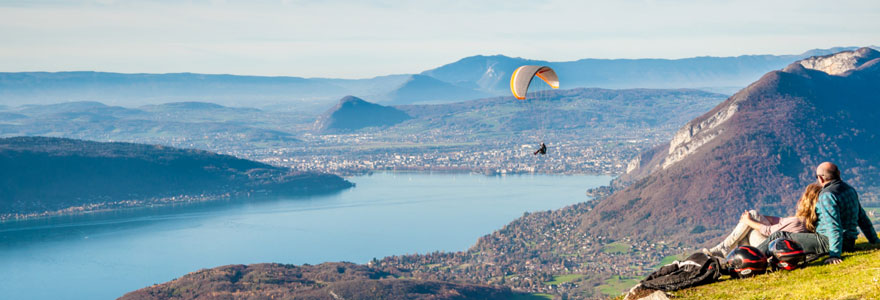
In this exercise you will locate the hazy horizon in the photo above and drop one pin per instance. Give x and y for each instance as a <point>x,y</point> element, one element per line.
<point>352,39</point>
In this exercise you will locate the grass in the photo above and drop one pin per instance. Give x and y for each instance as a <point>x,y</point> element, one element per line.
<point>617,247</point>
<point>857,277</point>
<point>616,285</point>
<point>535,296</point>
<point>669,259</point>
<point>558,279</point>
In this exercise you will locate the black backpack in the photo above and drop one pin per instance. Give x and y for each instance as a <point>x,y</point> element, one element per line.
<point>697,269</point>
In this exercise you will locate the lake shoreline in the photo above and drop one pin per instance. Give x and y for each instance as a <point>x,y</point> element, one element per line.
<point>115,206</point>
<point>106,254</point>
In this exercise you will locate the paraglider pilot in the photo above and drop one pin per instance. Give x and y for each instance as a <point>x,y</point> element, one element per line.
<point>542,150</point>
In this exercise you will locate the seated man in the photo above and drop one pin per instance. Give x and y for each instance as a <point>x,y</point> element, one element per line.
<point>840,215</point>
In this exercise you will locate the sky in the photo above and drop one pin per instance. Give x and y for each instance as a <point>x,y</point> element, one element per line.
<point>364,38</point>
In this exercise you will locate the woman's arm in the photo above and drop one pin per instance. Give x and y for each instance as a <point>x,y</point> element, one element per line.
<point>745,218</point>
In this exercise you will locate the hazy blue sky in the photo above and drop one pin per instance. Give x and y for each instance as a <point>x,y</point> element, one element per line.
<point>359,38</point>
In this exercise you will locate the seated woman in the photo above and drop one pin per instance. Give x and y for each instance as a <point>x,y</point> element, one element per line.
<point>754,228</point>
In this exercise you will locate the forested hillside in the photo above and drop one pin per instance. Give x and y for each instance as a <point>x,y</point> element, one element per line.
<point>45,175</point>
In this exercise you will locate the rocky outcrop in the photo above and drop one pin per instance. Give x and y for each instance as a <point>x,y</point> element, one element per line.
<point>695,134</point>
<point>839,63</point>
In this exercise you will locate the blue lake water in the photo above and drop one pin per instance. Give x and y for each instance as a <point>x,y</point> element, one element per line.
<point>103,256</point>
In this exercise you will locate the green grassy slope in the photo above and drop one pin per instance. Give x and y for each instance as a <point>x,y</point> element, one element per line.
<point>858,277</point>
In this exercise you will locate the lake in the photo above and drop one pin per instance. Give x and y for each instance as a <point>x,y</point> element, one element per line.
<point>104,255</point>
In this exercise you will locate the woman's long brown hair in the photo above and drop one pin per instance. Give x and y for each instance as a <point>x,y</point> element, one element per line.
<point>806,207</point>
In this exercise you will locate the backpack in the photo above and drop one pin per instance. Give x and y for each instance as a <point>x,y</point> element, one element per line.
<point>697,269</point>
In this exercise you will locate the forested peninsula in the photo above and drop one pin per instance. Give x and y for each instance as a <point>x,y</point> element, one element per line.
<point>41,176</point>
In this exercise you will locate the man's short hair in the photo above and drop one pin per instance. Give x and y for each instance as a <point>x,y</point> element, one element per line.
<point>831,172</point>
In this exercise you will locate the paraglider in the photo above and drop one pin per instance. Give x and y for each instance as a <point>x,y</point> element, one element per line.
<point>522,79</point>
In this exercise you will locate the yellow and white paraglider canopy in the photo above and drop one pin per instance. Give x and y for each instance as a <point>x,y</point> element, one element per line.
<point>522,77</point>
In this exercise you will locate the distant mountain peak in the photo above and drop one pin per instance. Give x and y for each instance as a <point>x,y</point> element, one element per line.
<point>841,62</point>
<point>351,100</point>
<point>353,113</point>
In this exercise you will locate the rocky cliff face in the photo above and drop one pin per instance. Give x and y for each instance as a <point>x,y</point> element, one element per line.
<point>697,133</point>
<point>755,150</point>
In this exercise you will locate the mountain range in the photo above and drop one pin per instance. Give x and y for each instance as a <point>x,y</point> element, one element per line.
<point>469,78</point>
<point>188,124</point>
<point>491,74</point>
<point>635,114</point>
